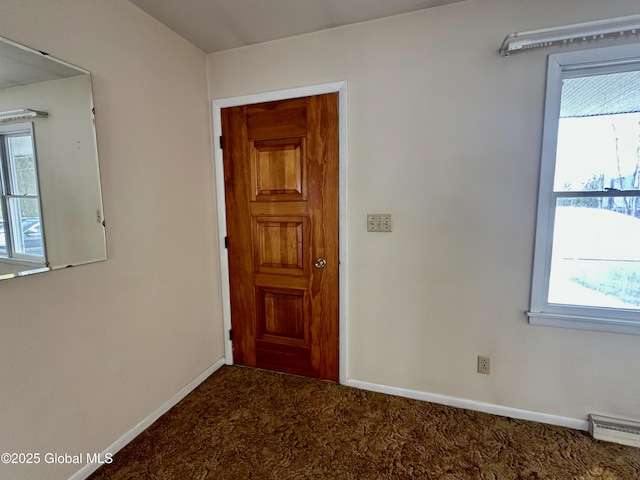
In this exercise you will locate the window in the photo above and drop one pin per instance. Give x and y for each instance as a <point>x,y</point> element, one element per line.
<point>20,220</point>
<point>587,255</point>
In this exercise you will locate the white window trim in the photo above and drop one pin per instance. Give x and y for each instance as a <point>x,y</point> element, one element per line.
<point>541,312</point>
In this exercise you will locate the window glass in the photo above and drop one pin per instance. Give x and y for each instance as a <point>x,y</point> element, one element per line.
<point>26,232</point>
<point>23,178</point>
<point>596,254</point>
<point>3,238</point>
<point>598,152</point>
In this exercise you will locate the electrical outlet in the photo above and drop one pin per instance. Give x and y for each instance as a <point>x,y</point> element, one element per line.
<point>484,365</point>
<point>379,222</point>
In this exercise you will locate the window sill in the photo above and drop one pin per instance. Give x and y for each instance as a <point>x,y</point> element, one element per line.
<point>598,324</point>
<point>22,261</point>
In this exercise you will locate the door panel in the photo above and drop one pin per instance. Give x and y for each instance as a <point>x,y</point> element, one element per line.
<point>277,119</point>
<point>278,169</point>
<point>281,316</point>
<point>281,244</point>
<point>281,189</point>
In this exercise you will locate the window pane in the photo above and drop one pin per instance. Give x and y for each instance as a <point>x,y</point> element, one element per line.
<point>26,230</point>
<point>600,152</point>
<point>596,259</point>
<point>599,133</point>
<point>23,171</point>
<point>3,238</point>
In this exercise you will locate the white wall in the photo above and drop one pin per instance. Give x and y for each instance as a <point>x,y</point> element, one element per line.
<point>86,353</point>
<point>445,135</point>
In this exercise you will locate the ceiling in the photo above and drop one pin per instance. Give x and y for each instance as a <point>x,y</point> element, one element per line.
<point>23,66</point>
<point>215,25</point>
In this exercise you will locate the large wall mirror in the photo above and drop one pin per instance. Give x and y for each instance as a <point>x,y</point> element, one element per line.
<point>51,214</point>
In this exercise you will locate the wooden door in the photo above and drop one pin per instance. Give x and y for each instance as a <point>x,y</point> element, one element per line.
<point>281,192</point>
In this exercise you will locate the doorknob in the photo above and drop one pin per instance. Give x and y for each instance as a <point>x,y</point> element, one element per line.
<point>320,263</point>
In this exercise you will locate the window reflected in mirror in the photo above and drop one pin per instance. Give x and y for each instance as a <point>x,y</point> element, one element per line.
<point>20,209</point>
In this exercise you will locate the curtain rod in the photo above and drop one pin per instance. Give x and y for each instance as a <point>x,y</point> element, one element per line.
<point>21,114</point>
<point>567,34</point>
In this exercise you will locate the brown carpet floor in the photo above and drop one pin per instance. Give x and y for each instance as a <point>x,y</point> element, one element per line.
<point>245,423</point>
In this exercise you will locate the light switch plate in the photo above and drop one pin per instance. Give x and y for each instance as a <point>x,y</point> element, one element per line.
<point>379,222</point>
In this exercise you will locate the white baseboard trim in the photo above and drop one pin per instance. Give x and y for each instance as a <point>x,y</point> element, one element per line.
<point>491,408</point>
<point>89,468</point>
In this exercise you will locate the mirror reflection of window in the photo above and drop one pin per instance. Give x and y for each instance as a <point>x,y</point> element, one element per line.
<point>21,238</point>
<point>51,214</point>
<point>3,238</point>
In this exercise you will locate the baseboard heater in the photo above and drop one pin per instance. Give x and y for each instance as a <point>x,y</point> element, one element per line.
<point>615,430</point>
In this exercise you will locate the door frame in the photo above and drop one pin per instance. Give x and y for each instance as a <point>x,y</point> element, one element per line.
<point>339,87</point>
